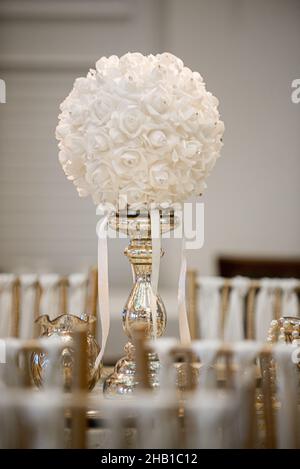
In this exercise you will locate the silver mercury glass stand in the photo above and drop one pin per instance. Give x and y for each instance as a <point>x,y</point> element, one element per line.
<point>137,310</point>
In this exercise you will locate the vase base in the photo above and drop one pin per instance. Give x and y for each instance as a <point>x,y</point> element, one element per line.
<point>123,380</point>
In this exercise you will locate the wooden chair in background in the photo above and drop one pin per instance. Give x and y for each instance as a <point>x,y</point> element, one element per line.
<point>256,268</point>
<point>194,290</point>
<point>63,286</point>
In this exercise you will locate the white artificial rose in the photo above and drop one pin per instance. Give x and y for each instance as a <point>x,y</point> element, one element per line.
<point>126,162</point>
<point>192,148</point>
<point>158,101</point>
<point>133,196</point>
<point>117,136</point>
<point>83,188</point>
<point>75,144</point>
<point>157,138</point>
<point>97,173</point>
<point>189,117</point>
<point>130,121</point>
<point>103,107</point>
<point>160,175</point>
<point>98,140</point>
<point>171,61</point>
<point>63,157</point>
<point>101,142</point>
<point>62,130</point>
<point>74,168</point>
<point>76,112</point>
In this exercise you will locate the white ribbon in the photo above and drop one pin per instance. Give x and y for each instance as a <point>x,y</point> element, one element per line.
<point>184,330</point>
<point>6,283</point>
<point>234,326</point>
<point>77,293</point>
<point>212,416</point>
<point>210,307</point>
<point>103,319</point>
<point>287,382</point>
<point>156,248</point>
<point>44,416</point>
<point>50,295</point>
<point>290,305</point>
<point>10,371</point>
<point>245,353</point>
<point>28,295</point>
<point>264,308</point>
<point>207,351</point>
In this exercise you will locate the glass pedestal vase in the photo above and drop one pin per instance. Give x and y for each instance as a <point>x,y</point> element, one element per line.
<point>63,328</point>
<point>137,226</point>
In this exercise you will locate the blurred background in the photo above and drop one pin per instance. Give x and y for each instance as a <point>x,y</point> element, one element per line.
<point>248,52</point>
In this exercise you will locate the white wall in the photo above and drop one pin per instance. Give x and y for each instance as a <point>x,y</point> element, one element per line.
<point>248,52</point>
<point>44,46</point>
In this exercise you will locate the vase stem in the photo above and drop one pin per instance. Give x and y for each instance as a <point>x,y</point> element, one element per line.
<point>137,310</point>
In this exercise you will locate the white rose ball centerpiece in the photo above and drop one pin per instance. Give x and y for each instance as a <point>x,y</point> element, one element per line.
<point>141,133</point>
<point>139,128</point>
